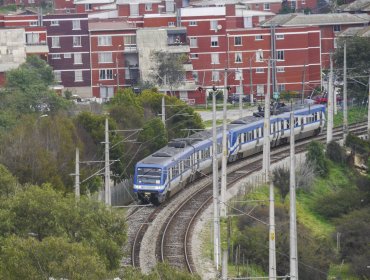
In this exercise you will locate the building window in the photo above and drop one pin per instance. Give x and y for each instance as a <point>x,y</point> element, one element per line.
<point>260,70</point>
<point>215,76</point>
<point>238,57</point>
<point>237,41</point>
<point>214,41</point>
<point>148,7</point>
<point>280,55</point>
<point>293,5</point>
<point>32,38</point>
<point>280,37</point>
<point>214,24</point>
<point>193,42</point>
<point>194,56</point>
<point>281,87</point>
<point>260,90</point>
<point>106,93</point>
<point>55,56</point>
<point>34,23</point>
<point>215,58</point>
<point>78,76</point>
<point>58,76</point>
<point>195,76</point>
<point>76,25</point>
<point>67,55</point>
<point>336,28</point>
<point>193,23</point>
<point>77,58</point>
<point>266,6</point>
<point>88,7</point>
<point>171,24</point>
<point>258,37</point>
<point>105,57</point>
<point>55,43</point>
<point>134,9</point>
<point>77,41</point>
<point>104,40</point>
<point>129,40</point>
<point>259,56</point>
<point>248,23</point>
<point>238,75</point>
<point>280,69</point>
<point>106,74</point>
<point>335,42</point>
<point>54,23</point>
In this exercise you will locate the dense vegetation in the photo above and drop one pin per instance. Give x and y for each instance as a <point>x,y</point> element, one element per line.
<point>44,232</point>
<point>333,218</point>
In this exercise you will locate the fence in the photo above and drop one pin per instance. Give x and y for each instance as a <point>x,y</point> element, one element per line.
<point>121,194</point>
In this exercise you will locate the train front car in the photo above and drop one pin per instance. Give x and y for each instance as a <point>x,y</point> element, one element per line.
<point>150,182</point>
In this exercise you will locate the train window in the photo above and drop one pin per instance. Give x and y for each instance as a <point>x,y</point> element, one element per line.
<point>239,138</point>
<point>295,122</point>
<point>147,175</point>
<point>302,120</point>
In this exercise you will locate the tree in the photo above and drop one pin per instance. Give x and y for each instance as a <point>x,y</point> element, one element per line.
<point>40,150</point>
<point>44,212</point>
<point>316,157</point>
<point>358,63</point>
<point>335,153</point>
<point>8,183</point>
<point>51,258</point>
<point>169,69</point>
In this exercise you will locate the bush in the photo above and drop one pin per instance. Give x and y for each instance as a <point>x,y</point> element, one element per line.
<point>338,203</point>
<point>281,178</point>
<point>335,153</point>
<point>357,145</point>
<point>316,157</point>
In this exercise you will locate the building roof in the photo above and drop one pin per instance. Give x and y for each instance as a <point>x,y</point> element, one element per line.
<point>355,31</point>
<point>123,2</point>
<point>93,2</point>
<point>111,24</point>
<point>203,11</point>
<point>224,2</point>
<point>357,5</point>
<point>314,20</point>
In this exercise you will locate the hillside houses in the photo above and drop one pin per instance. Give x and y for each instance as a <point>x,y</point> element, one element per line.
<point>97,46</point>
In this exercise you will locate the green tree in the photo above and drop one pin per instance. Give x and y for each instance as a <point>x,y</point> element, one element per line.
<point>44,212</point>
<point>8,183</point>
<point>169,69</point>
<point>281,178</point>
<point>43,150</point>
<point>316,157</point>
<point>335,153</point>
<point>358,63</point>
<point>53,257</point>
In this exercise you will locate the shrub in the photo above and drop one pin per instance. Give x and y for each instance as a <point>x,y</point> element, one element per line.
<point>316,157</point>
<point>281,180</point>
<point>335,153</point>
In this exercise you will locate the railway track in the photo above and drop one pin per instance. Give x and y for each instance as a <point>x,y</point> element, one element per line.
<point>173,230</point>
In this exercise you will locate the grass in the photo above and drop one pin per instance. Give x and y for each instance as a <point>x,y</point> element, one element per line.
<point>355,114</point>
<point>341,271</point>
<point>209,123</point>
<point>7,9</point>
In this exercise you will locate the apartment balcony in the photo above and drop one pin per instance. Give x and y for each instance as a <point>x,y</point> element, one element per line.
<point>130,49</point>
<point>37,48</point>
<point>178,48</point>
<point>188,66</point>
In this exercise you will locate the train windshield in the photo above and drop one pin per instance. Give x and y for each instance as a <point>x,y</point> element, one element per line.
<point>147,175</point>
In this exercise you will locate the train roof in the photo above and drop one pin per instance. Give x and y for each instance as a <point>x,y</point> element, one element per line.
<point>180,147</point>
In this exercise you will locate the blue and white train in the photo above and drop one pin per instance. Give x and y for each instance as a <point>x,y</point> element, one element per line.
<point>168,170</point>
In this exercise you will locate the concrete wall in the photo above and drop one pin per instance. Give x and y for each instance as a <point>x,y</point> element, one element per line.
<point>12,48</point>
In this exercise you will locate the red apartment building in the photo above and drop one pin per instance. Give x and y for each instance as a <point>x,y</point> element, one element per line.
<point>114,57</point>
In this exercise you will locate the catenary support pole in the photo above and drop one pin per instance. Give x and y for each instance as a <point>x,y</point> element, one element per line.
<point>77,174</point>
<point>251,80</point>
<point>368,110</point>
<point>329,129</point>
<point>345,98</point>
<point>107,167</point>
<point>266,129</point>
<point>216,249</point>
<point>293,220</point>
<point>241,94</point>
<point>163,115</point>
<point>224,264</point>
<point>224,152</point>
<point>272,245</point>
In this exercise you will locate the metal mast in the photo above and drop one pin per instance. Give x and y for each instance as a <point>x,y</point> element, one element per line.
<point>329,134</point>
<point>266,129</point>
<point>293,217</point>
<point>345,99</point>
<point>224,152</point>
<point>107,168</point>
<point>77,174</point>
<point>163,115</point>
<point>216,249</point>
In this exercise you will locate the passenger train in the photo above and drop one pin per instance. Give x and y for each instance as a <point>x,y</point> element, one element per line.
<point>168,170</point>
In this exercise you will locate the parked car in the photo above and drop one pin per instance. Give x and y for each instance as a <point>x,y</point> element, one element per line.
<point>234,98</point>
<point>323,99</point>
